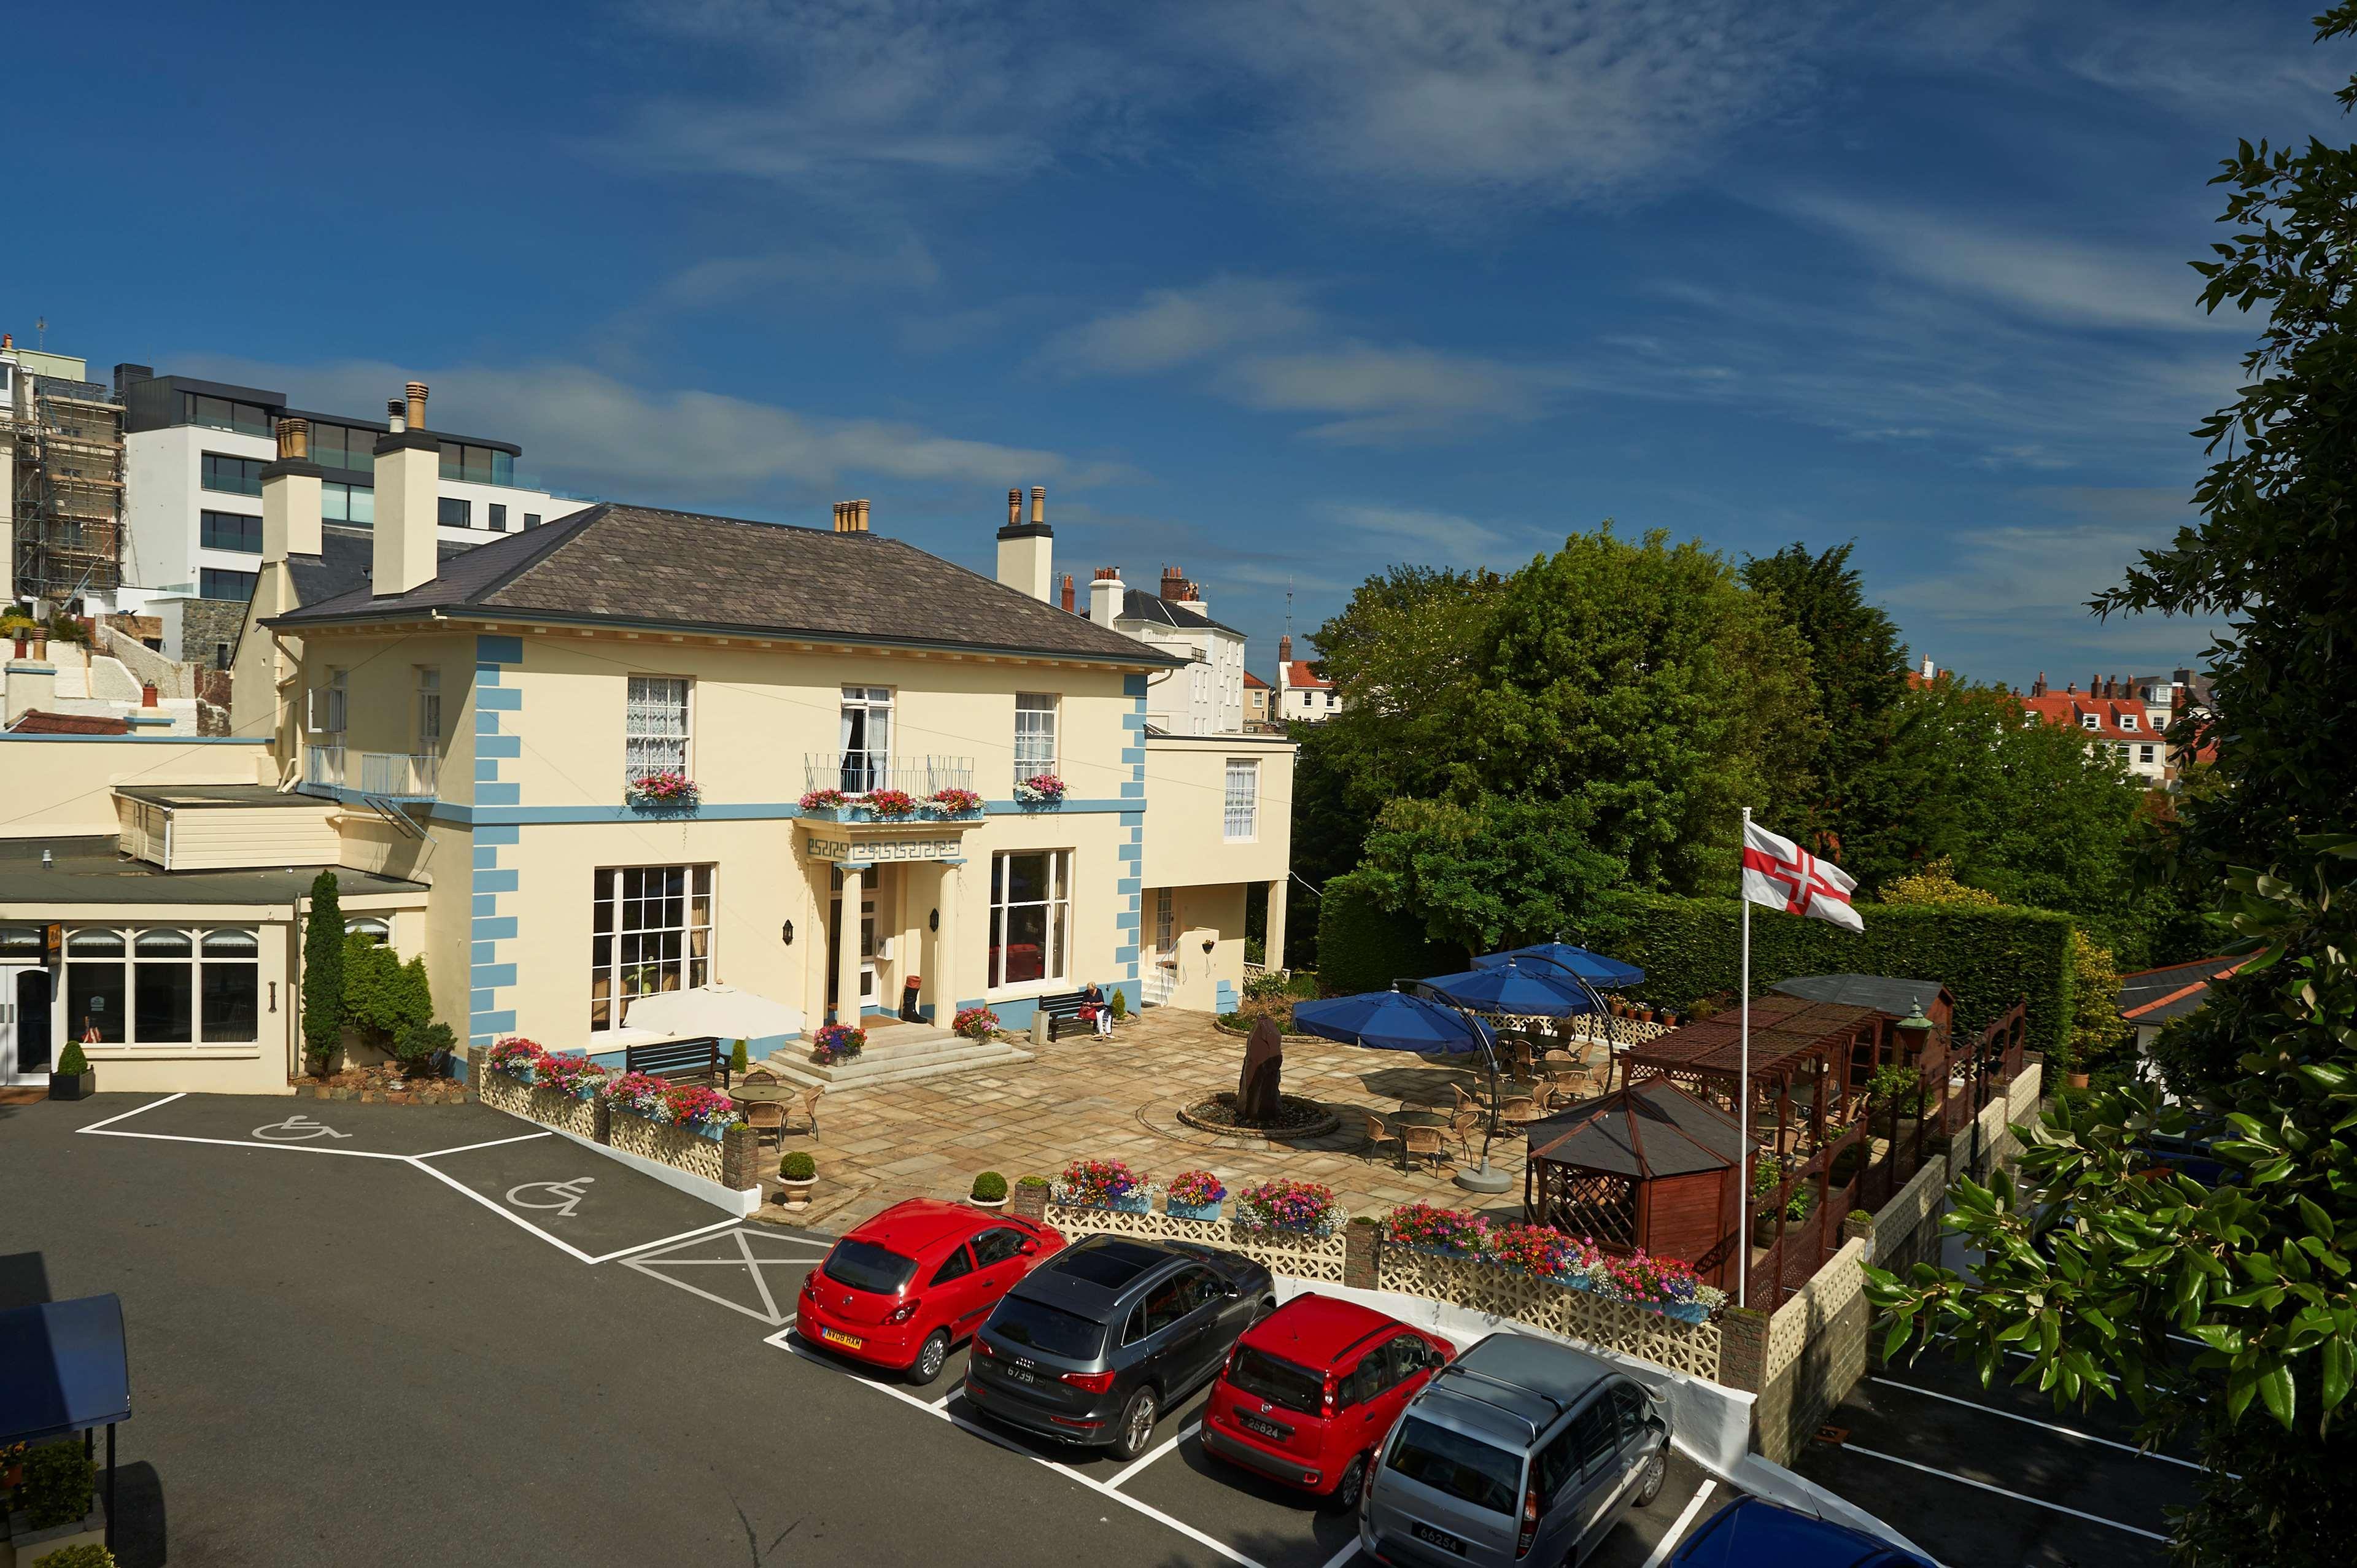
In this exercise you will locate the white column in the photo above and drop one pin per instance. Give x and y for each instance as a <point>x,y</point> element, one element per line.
<point>1273,951</point>
<point>847,948</point>
<point>941,972</point>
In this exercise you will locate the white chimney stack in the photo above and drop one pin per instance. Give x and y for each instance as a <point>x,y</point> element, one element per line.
<point>290,497</point>
<point>1026,550</point>
<point>1104,597</point>
<point>408,502</point>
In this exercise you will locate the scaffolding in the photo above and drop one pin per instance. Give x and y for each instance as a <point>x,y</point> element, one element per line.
<point>68,499</point>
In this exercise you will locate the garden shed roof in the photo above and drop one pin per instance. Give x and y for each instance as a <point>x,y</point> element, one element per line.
<point>1883,993</point>
<point>1648,1129</point>
<point>1784,1030</point>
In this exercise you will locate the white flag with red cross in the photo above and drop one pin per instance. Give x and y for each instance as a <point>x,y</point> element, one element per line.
<point>1781,874</point>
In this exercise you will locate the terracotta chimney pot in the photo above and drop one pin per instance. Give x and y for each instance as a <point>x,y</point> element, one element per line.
<point>1285,649</point>
<point>294,438</point>
<point>1039,503</point>
<point>1067,594</point>
<point>417,391</point>
<point>1013,508</point>
<point>147,694</point>
<point>859,516</point>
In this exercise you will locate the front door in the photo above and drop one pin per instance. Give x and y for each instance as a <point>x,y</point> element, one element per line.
<point>866,945</point>
<point>25,1022</point>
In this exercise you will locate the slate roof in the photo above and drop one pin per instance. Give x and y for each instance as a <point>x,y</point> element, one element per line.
<point>343,562</point>
<point>2154,996</point>
<point>1137,603</point>
<point>646,566</point>
<point>1883,993</point>
<point>92,871</point>
<point>1649,1129</point>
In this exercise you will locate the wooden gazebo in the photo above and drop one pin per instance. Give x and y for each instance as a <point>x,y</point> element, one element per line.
<point>1810,1061</point>
<point>1647,1166</point>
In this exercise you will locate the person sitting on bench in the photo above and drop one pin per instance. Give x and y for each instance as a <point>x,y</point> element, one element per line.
<point>1094,1011</point>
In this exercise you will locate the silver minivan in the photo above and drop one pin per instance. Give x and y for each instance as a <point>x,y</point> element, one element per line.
<point>1520,1451</point>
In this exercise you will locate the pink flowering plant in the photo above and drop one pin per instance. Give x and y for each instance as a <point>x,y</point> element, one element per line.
<point>515,1056</point>
<point>1431,1228</point>
<point>1196,1190</point>
<point>892,805</point>
<point>640,1093</point>
<point>667,789</point>
<point>698,1108</point>
<point>973,1023</point>
<point>1040,789</point>
<point>1101,1183</point>
<point>954,802</point>
<point>1283,1205</point>
<point>575,1075</point>
<point>1637,1278</point>
<point>821,799</point>
<point>837,1043</point>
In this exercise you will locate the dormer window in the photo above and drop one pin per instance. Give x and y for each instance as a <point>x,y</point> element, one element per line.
<point>2090,722</point>
<point>2127,721</point>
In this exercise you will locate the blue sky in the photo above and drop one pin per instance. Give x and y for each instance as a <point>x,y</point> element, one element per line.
<point>1276,291</point>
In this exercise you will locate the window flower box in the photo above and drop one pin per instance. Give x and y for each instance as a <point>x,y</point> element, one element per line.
<point>952,804</point>
<point>1041,789</point>
<point>1194,1195</point>
<point>673,792</point>
<point>891,805</point>
<point>827,805</point>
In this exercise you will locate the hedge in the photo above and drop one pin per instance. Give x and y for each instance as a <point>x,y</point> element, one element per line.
<point>1690,949</point>
<point>1363,947</point>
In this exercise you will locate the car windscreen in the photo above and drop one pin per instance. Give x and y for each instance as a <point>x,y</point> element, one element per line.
<point>1021,1321</point>
<point>864,1265</point>
<point>1262,1376</point>
<point>1464,1467</point>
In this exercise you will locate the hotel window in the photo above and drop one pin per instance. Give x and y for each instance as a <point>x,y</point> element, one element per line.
<point>377,932</point>
<point>455,512</point>
<point>1030,914</point>
<point>328,705</point>
<point>238,476</point>
<point>230,530</point>
<point>532,519</point>
<point>1035,734</point>
<point>866,738</point>
<point>650,931</point>
<point>1165,921</point>
<point>499,517</point>
<point>654,729</point>
<point>2090,722</point>
<point>213,582</point>
<point>429,712</point>
<point>2127,721</point>
<point>348,503</point>
<point>1241,819</point>
<point>164,987</point>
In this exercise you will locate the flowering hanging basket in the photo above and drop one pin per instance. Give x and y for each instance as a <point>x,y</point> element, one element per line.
<point>1039,790</point>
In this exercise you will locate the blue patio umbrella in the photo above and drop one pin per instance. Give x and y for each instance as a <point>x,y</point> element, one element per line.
<point>1400,1020</point>
<point>1609,973</point>
<point>1516,991</point>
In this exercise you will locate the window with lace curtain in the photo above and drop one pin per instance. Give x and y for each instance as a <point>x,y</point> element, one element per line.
<point>655,727</point>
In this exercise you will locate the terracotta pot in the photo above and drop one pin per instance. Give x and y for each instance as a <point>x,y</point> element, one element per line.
<point>2075,1079</point>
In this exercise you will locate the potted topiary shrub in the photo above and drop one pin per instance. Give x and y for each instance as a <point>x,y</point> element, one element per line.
<point>58,1502</point>
<point>989,1191</point>
<point>797,1173</point>
<point>72,1078</point>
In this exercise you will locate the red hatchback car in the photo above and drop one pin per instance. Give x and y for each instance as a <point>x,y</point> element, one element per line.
<point>904,1287</point>
<point>1312,1390</point>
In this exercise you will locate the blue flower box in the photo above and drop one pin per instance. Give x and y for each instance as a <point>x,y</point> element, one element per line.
<point>1686,1312</point>
<point>1177,1210</point>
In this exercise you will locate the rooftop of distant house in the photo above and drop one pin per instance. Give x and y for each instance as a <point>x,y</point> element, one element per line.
<point>93,870</point>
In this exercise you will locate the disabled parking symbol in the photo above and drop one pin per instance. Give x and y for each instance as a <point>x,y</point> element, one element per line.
<point>296,1130</point>
<point>563,1196</point>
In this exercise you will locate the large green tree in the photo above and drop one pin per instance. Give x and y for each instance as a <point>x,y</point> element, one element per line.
<point>1498,873</point>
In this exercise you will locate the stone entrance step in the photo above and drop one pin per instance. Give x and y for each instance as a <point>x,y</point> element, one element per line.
<point>901,1055</point>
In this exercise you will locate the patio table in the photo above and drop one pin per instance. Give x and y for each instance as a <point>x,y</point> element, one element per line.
<point>765,1093</point>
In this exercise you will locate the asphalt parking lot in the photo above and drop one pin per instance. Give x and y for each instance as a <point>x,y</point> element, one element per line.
<point>412,1335</point>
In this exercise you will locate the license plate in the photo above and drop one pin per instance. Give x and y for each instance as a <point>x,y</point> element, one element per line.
<point>1439,1538</point>
<point>837,1337</point>
<point>1018,1375</point>
<point>1265,1428</point>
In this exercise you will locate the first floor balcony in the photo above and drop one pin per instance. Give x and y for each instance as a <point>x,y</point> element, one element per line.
<point>335,771</point>
<point>864,772</point>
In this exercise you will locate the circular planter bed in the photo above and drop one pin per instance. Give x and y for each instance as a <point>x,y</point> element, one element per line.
<point>1295,1118</point>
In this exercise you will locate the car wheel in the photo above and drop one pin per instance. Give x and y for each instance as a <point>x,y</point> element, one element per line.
<point>1657,1470</point>
<point>1136,1429</point>
<point>1347,1491</point>
<point>929,1356</point>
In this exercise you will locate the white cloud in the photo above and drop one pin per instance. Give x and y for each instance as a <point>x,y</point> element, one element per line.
<point>1403,532</point>
<point>1173,327</point>
<point>582,429</point>
<point>1382,392</point>
<point>821,268</point>
<point>2058,281</point>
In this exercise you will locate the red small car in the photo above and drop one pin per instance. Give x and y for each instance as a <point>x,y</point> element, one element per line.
<point>908,1284</point>
<point>1312,1390</point>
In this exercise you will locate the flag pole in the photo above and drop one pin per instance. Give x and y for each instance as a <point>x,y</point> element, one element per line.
<point>1743,1093</point>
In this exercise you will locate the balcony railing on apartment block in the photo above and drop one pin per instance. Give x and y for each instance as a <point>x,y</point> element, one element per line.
<point>864,772</point>
<point>388,774</point>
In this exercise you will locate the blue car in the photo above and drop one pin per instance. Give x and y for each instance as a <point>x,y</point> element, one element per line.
<point>1752,1532</point>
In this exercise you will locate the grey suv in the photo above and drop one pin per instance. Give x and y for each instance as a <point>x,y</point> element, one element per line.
<point>1521,1450</point>
<point>1093,1345</point>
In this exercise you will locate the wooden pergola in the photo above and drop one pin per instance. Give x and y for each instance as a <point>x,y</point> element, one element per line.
<point>1648,1167</point>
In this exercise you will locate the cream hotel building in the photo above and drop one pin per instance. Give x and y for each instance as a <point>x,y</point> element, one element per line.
<point>459,733</point>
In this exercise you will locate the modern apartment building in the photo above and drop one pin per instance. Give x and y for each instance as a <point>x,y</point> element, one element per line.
<point>194,452</point>
<point>467,737</point>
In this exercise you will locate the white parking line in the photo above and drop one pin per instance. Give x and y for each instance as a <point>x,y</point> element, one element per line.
<point>133,1112</point>
<point>513,1218</point>
<point>2000,1491</point>
<point>1158,1451</point>
<point>1347,1552</point>
<point>2072,1432</point>
<point>644,1246</point>
<point>246,1143</point>
<point>491,1143</point>
<point>1677,1530</point>
<point>787,1340</point>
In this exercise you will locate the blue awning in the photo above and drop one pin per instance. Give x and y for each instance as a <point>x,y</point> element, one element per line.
<point>63,1369</point>
<point>1393,1021</point>
<point>1511,990</point>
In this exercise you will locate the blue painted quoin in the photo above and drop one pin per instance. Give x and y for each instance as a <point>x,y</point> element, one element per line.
<point>498,707</point>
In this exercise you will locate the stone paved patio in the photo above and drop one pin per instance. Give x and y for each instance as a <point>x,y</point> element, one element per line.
<point>1115,1098</point>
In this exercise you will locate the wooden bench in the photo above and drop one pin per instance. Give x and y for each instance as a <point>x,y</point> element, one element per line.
<point>1063,1013</point>
<point>680,1061</point>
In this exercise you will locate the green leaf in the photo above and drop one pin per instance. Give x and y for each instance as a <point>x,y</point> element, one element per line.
<point>2335,1364</point>
<point>2276,1388</point>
